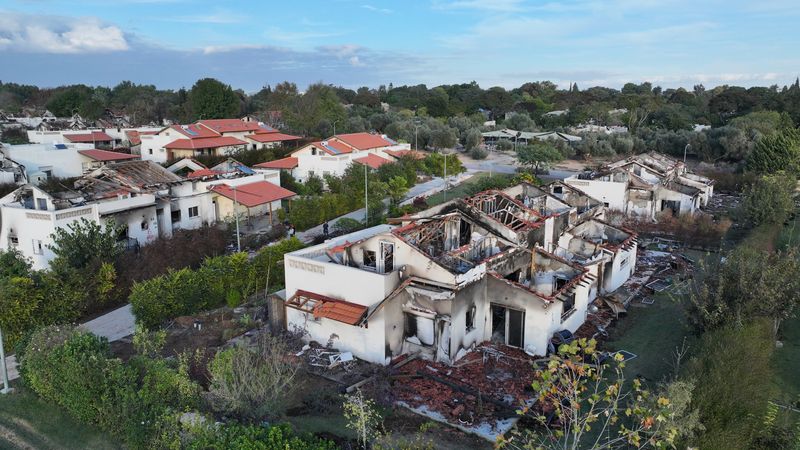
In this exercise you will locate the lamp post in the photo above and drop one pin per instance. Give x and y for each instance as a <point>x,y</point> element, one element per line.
<point>236,213</point>
<point>445,176</point>
<point>6,389</point>
<point>688,146</point>
<point>366,198</point>
<point>334,127</point>
<point>416,142</point>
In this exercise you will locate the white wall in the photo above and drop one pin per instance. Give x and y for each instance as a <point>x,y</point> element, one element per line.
<point>40,157</point>
<point>606,191</point>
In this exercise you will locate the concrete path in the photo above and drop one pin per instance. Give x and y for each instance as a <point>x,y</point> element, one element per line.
<point>114,325</point>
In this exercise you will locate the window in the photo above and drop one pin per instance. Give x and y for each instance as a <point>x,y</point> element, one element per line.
<point>150,150</point>
<point>193,212</point>
<point>369,259</point>
<point>471,318</point>
<point>145,225</point>
<point>313,151</point>
<point>624,262</point>
<point>41,203</point>
<point>38,249</point>
<point>605,204</point>
<point>387,254</point>
<point>13,241</point>
<point>176,215</point>
<point>558,190</point>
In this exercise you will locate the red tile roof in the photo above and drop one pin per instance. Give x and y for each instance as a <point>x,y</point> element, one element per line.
<point>203,173</point>
<point>399,153</point>
<point>135,136</point>
<point>194,131</point>
<point>372,160</point>
<point>94,136</point>
<point>272,137</point>
<point>208,142</point>
<point>253,194</point>
<point>364,141</point>
<point>231,125</point>
<point>333,308</point>
<point>105,155</point>
<point>333,147</point>
<point>284,163</point>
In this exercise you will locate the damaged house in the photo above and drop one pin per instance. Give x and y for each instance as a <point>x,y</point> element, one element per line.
<point>488,268</point>
<point>646,185</point>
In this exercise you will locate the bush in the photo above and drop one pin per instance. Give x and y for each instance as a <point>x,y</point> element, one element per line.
<point>219,280</point>
<point>234,436</point>
<point>253,382</point>
<point>74,369</point>
<point>347,225</point>
<point>770,200</point>
<point>478,153</point>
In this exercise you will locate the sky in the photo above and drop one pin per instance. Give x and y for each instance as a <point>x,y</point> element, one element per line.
<point>250,44</point>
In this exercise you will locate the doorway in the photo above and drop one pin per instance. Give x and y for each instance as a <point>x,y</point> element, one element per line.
<point>508,326</point>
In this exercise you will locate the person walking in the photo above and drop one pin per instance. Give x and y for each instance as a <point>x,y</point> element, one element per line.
<point>325,229</point>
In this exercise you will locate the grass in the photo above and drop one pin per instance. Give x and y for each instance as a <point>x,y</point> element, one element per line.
<point>29,422</point>
<point>652,332</point>
<point>463,189</point>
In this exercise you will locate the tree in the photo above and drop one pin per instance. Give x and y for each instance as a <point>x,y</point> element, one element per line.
<point>770,200</point>
<point>472,139</point>
<point>253,382</point>
<point>593,407</point>
<point>776,152</point>
<point>397,189</point>
<point>362,417</point>
<point>538,155</point>
<point>84,242</point>
<point>444,137</point>
<point>519,122</point>
<point>212,99</point>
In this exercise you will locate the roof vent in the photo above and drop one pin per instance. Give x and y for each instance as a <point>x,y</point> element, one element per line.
<point>325,143</point>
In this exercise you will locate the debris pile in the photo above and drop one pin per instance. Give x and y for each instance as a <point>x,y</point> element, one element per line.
<point>485,387</point>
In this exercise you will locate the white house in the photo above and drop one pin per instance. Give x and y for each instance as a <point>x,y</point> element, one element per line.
<point>148,201</point>
<point>334,155</point>
<point>451,278</point>
<point>646,185</point>
<point>209,137</point>
<point>60,160</point>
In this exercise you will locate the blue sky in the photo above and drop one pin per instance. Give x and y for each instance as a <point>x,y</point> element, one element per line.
<point>172,43</point>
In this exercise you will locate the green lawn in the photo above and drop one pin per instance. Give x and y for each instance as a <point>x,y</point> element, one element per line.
<point>28,422</point>
<point>462,190</point>
<point>652,332</point>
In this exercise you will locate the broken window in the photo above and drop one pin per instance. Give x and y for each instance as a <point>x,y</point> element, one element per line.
<point>558,190</point>
<point>38,249</point>
<point>41,203</point>
<point>387,255</point>
<point>176,215</point>
<point>419,329</point>
<point>508,326</point>
<point>568,307</point>
<point>369,259</point>
<point>471,318</point>
<point>464,233</point>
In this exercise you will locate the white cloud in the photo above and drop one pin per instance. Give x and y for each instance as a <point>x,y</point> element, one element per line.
<point>481,5</point>
<point>376,9</point>
<point>355,62</point>
<point>55,34</point>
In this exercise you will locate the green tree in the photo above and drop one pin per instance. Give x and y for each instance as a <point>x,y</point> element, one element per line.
<point>472,139</point>
<point>398,188</point>
<point>212,99</point>
<point>593,406</point>
<point>85,242</point>
<point>538,155</point>
<point>770,200</point>
<point>776,152</point>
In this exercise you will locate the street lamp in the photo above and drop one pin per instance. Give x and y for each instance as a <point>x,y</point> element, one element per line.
<point>688,146</point>
<point>416,142</point>
<point>334,127</point>
<point>236,213</point>
<point>445,175</point>
<point>366,198</point>
<point>6,389</point>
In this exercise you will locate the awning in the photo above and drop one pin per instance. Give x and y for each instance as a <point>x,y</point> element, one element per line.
<point>327,307</point>
<point>253,194</point>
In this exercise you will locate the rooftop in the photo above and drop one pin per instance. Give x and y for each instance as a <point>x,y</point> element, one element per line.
<point>372,160</point>
<point>365,141</point>
<point>272,137</point>
<point>105,155</point>
<point>253,194</point>
<point>94,136</point>
<point>206,142</point>
<point>284,163</point>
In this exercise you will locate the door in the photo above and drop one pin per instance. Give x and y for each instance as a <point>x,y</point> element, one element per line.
<point>508,326</point>
<point>387,257</point>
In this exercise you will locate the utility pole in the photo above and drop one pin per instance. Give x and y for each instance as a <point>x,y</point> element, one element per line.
<point>334,127</point>
<point>366,198</point>
<point>6,389</point>
<point>445,176</point>
<point>236,213</point>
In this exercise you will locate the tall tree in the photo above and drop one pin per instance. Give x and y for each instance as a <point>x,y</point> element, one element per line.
<point>212,99</point>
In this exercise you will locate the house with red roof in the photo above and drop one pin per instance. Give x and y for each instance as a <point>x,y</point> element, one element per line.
<point>334,155</point>
<point>210,137</point>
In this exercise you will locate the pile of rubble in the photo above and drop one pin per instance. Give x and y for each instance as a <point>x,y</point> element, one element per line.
<point>481,392</point>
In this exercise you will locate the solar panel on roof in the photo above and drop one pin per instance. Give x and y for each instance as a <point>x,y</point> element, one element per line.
<point>61,146</point>
<point>245,169</point>
<point>191,131</point>
<point>335,151</point>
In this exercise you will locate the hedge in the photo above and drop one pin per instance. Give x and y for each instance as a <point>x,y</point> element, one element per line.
<point>219,280</point>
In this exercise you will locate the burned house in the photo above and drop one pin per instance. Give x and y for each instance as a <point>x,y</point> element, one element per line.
<point>488,268</point>
<point>646,185</point>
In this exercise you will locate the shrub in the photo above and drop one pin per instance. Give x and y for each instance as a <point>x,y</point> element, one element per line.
<point>203,436</point>
<point>252,382</point>
<point>347,225</point>
<point>478,153</point>
<point>770,200</point>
